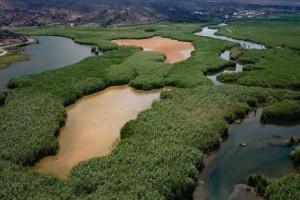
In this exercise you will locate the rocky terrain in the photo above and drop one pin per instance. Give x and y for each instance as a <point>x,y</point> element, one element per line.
<point>10,38</point>
<point>23,13</point>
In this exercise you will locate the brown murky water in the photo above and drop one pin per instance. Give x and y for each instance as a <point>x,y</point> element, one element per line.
<point>175,51</point>
<point>93,126</point>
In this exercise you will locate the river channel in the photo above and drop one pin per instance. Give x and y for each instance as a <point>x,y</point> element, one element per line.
<point>266,150</point>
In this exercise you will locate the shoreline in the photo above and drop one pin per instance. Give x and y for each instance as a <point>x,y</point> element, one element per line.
<point>17,56</point>
<point>29,42</point>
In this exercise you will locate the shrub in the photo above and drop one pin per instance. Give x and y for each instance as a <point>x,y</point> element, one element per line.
<point>259,182</point>
<point>2,98</point>
<point>93,49</point>
<point>105,45</point>
<point>150,29</point>
<point>295,155</point>
<point>282,111</point>
<point>251,67</point>
<point>287,188</point>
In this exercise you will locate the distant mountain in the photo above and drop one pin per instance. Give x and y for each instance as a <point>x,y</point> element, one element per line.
<point>16,13</point>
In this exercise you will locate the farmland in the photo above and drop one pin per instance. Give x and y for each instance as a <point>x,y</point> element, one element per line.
<point>161,151</point>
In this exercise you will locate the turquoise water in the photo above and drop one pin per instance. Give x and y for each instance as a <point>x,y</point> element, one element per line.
<point>51,53</point>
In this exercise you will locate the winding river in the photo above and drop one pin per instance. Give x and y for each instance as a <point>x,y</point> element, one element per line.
<point>265,152</point>
<point>50,53</point>
<point>207,32</point>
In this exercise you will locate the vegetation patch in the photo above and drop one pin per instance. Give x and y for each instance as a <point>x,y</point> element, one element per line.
<point>286,33</point>
<point>236,53</point>
<point>276,68</point>
<point>259,182</point>
<point>2,98</point>
<point>287,188</point>
<point>251,67</point>
<point>286,110</point>
<point>159,151</point>
<point>295,155</point>
<point>10,57</point>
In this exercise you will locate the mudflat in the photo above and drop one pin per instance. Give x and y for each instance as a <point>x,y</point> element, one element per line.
<point>176,51</point>
<point>93,126</point>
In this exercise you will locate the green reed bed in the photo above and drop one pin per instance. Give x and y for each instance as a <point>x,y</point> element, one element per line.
<point>273,31</point>
<point>276,68</point>
<point>287,188</point>
<point>158,155</point>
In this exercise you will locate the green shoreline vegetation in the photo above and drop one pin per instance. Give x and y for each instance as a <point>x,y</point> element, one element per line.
<point>11,56</point>
<point>277,66</point>
<point>274,31</point>
<point>158,155</point>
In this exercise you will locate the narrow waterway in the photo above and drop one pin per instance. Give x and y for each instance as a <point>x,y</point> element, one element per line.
<point>207,32</point>
<point>50,53</point>
<point>93,126</point>
<point>245,44</point>
<point>265,152</point>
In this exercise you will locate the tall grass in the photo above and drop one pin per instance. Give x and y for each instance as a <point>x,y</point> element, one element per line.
<point>10,57</point>
<point>286,110</point>
<point>278,31</point>
<point>276,68</point>
<point>158,155</point>
<point>287,188</point>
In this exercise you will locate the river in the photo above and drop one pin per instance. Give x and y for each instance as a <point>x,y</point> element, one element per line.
<point>265,152</point>
<point>94,122</point>
<point>207,32</point>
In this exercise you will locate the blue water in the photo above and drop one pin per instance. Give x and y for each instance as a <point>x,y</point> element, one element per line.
<point>51,53</point>
<point>266,152</point>
<point>207,32</point>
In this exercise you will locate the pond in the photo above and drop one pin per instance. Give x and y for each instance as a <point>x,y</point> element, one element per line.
<point>93,126</point>
<point>50,53</point>
<point>175,51</point>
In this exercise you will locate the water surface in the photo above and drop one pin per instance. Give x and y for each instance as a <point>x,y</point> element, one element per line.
<point>245,44</point>
<point>207,32</point>
<point>266,152</point>
<point>93,126</point>
<point>52,52</point>
<point>175,51</point>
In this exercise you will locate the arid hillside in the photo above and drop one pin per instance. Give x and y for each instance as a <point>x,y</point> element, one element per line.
<point>23,13</point>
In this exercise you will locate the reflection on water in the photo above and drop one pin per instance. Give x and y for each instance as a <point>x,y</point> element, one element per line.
<point>226,55</point>
<point>266,152</point>
<point>93,126</point>
<point>175,51</point>
<point>51,53</point>
<point>245,44</point>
